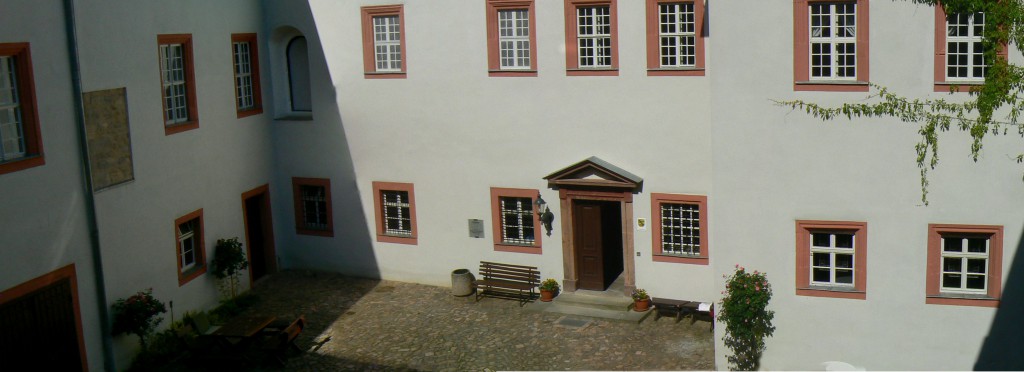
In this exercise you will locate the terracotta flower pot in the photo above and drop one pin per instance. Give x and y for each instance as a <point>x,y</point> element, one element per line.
<point>642,305</point>
<point>546,295</point>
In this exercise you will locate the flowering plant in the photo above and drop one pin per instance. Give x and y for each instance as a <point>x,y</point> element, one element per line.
<point>549,285</point>
<point>746,316</point>
<point>640,294</point>
<point>137,315</point>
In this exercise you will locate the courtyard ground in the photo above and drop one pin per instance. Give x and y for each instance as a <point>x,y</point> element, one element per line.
<point>364,324</point>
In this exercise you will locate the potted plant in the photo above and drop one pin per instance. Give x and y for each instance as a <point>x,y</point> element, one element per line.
<point>137,315</point>
<point>641,301</point>
<point>548,289</point>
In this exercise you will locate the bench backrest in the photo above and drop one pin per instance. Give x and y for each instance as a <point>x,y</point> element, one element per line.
<point>512,273</point>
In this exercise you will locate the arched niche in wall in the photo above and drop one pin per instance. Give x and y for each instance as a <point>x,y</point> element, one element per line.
<point>289,55</point>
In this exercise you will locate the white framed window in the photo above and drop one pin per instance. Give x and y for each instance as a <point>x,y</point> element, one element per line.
<point>594,37</point>
<point>243,76</point>
<point>965,261</point>
<point>314,207</point>
<point>832,258</point>
<point>833,41</point>
<point>965,59</point>
<point>12,138</point>
<point>514,39</point>
<point>387,43</point>
<point>172,68</point>
<point>517,225</point>
<point>396,212</point>
<point>187,244</point>
<point>677,35</point>
<point>680,229</point>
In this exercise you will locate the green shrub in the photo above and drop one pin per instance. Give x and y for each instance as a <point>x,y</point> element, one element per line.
<point>746,316</point>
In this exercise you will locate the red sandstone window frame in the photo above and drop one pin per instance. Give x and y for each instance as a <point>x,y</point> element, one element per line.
<point>378,207</point>
<point>369,61</point>
<point>29,109</point>
<point>200,248</point>
<point>254,73</point>
<point>493,49</point>
<point>933,292</point>
<point>654,67</point>
<point>190,83</point>
<point>657,252</point>
<point>801,50</point>
<point>572,67</point>
<point>300,219</point>
<point>804,228</point>
<point>941,47</point>
<point>499,244</point>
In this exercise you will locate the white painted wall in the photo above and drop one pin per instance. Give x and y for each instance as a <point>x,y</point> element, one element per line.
<point>44,219</point>
<point>454,132</point>
<point>774,166</point>
<point>209,167</point>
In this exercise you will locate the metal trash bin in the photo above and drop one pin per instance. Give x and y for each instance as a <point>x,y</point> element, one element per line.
<point>462,283</point>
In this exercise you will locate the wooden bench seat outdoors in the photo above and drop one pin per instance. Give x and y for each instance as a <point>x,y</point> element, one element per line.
<point>514,282</point>
<point>681,308</point>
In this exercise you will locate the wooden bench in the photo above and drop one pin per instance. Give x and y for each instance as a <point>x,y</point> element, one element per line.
<point>680,308</point>
<point>513,282</point>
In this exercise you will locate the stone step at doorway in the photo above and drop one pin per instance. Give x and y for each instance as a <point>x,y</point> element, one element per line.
<point>611,304</point>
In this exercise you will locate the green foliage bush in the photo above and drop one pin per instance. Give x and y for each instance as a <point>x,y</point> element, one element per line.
<point>744,310</point>
<point>137,315</point>
<point>228,262</point>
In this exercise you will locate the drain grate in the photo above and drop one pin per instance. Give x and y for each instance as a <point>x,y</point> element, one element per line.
<point>566,321</point>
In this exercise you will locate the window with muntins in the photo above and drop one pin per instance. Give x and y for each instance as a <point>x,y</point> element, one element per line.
<point>387,43</point>
<point>680,229</point>
<point>396,212</point>
<point>517,225</point>
<point>12,138</point>
<point>514,39</point>
<point>190,246</point>
<point>964,263</point>
<point>833,41</point>
<point>677,35</point>
<point>832,259</point>
<point>964,54</point>
<point>177,83</point>
<point>248,98</point>
<point>594,37</point>
<point>314,207</point>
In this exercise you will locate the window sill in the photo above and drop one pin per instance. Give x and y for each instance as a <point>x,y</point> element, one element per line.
<point>188,275</point>
<point>832,291</point>
<point>397,239</point>
<point>957,86</point>
<point>675,71</point>
<point>957,299</point>
<point>249,112</point>
<point>831,86</point>
<point>296,116</point>
<point>693,260</point>
<point>326,233</point>
<point>592,72</point>
<point>512,73</point>
<point>384,75</point>
<point>517,248</point>
<point>170,129</point>
<point>21,163</point>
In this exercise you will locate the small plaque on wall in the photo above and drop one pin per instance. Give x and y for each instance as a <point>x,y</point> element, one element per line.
<point>641,224</point>
<point>476,228</point>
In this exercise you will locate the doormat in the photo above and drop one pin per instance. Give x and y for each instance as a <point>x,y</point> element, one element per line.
<point>570,322</point>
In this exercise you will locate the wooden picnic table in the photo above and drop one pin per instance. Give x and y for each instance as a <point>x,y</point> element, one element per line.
<point>244,326</point>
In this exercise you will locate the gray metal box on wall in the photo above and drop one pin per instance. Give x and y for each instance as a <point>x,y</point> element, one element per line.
<point>476,228</point>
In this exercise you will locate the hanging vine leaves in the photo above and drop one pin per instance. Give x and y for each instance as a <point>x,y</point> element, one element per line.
<point>1003,89</point>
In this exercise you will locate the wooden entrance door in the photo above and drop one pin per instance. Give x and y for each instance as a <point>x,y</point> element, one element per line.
<point>38,331</point>
<point>259,233</point>
<point>589,244</point>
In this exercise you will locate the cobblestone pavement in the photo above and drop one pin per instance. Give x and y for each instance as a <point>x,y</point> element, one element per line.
<point>384,325</point>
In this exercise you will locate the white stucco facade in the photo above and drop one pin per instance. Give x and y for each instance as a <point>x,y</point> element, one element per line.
<point>454,132</point>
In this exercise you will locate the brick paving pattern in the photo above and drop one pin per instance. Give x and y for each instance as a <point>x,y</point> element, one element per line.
<point>385,325</point>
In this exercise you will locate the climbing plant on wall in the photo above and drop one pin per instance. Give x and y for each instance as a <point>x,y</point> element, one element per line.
<point>748,322</point>
<point>991,108</point>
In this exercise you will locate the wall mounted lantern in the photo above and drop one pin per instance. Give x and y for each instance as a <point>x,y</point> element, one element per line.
<point>546,217</point>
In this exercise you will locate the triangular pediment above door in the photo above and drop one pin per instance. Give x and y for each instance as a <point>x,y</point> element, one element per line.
<point>594,172</point>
